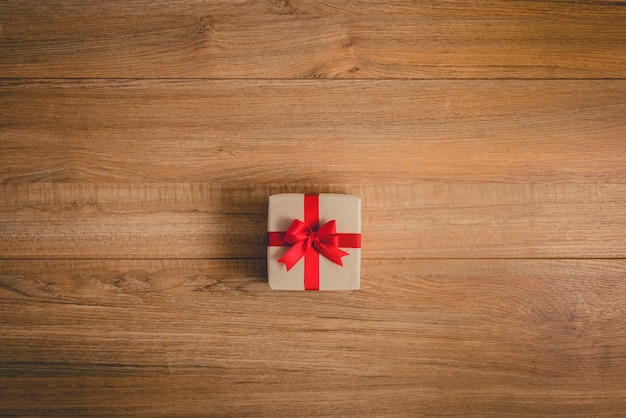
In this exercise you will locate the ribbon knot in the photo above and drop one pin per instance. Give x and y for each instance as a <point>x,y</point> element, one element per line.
<point>305,239</point>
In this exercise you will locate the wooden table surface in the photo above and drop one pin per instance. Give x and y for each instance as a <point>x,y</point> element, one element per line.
<point>140,140</point>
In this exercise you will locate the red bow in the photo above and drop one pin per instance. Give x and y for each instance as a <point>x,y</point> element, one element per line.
<point>304,239</point>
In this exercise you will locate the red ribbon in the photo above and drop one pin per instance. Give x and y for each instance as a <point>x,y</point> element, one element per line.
<point>308,240</point>
<point>303,238</point>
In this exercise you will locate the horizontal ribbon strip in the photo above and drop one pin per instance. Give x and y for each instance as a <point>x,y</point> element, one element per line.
<point>277,239</point>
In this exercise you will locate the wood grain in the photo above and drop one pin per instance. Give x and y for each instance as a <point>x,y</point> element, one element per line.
<point>404,220</point>
<point>139,141</point>
<point>284,131</point>
<point>322,39</point>
<point>442,337</point>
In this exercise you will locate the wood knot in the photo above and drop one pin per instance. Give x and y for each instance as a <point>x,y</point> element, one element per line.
<point>206,24</point>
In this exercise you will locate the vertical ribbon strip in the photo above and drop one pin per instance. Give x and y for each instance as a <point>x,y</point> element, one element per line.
<point>311,257</point>
<point>309,240</point>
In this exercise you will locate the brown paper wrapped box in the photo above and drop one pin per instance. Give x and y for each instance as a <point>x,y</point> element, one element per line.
<point>318,259</point>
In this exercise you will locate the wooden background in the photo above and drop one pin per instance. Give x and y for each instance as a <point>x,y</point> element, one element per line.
<point>139,142</point>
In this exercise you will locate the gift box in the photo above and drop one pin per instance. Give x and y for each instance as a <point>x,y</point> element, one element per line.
<point>314,241</point>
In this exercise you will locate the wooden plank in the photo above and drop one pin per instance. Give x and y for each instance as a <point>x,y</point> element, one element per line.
<point>158,337</point>
<point>403,220</point>
<point>302,39</point>
<point>311,395</point>
<point>285,131</point>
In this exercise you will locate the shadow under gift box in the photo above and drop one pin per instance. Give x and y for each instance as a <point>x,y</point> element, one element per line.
<point>314,271</point>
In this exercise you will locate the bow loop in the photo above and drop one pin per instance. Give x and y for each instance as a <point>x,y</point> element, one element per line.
<point>298,231</point>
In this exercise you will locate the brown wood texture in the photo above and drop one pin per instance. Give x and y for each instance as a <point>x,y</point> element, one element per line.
<point>360,131</point>
<point>415,220</point>
<point>155,337</point>
<point>139,142</point>
<point>305,39</point>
